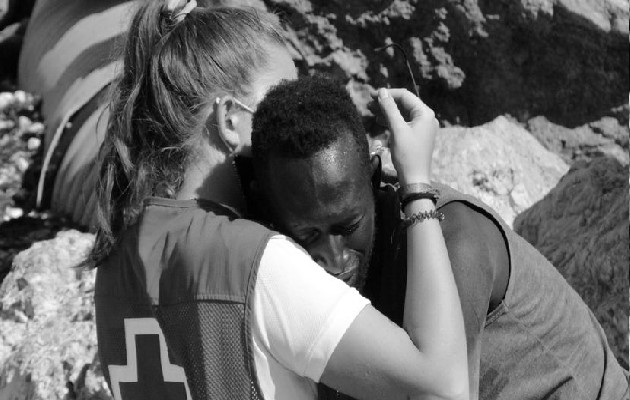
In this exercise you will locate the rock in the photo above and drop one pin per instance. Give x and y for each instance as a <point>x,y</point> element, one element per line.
<point>36,128</point>
<point>6,99</point>
<point>20,97</point>
<point>582,226</point>
<point>6,125</point>
<point>19,234</point>
<point>499,163</point>
<point>47,331</point>
<point>474,60</point>
<point>607,136</point>
<point>21,161</point>
<point>33,144</point>
<point>12,213</point>
<point>20,155</point>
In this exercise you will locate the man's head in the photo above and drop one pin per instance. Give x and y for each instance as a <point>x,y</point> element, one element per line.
<point>312,164</point>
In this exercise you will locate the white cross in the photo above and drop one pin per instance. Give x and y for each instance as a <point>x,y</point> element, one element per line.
<point>129,373</point>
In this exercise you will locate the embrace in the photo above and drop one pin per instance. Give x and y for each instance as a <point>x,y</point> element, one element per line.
<point>247,247</point>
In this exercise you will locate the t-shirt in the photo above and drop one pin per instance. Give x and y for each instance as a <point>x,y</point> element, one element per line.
<point>300,315</point>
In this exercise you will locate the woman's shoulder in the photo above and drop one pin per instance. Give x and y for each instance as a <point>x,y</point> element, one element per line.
<point>198,220</point>
<point>203,250</point>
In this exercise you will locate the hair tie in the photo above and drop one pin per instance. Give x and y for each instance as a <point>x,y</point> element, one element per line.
<point>187,7</point>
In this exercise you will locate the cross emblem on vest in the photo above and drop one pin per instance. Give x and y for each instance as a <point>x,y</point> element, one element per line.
<point>148,373</point>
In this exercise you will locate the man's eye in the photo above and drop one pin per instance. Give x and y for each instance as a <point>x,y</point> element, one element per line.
<point>308,237</point>
<point>348,230</point>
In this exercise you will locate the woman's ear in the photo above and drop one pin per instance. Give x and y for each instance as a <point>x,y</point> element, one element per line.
<point>227,123</point>
<point>375,166</point>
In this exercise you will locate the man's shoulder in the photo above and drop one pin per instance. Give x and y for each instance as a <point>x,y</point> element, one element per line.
<point>478,250</point>
<point>469,231</point>
<point>463,221</point>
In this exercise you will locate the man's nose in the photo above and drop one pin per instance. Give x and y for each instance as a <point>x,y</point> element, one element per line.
<point>329,252</point>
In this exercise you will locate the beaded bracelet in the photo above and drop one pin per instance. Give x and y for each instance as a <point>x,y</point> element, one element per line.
<point>421,216</point>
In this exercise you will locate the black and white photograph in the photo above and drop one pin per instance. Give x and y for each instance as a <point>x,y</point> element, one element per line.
<point>314,199</point>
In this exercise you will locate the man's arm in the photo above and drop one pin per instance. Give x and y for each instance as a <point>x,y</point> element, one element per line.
<point>480,263</point>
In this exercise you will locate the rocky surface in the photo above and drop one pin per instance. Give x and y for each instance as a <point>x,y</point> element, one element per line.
<point>498,162</point>
<point>474,60</point>
<point>21,134</point>
<point>21,131</point>
<point>47,332</point>
<point>606,136</point>
<point>582,226</point>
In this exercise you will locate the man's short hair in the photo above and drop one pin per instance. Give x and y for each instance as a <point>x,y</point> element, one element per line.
<point>302,117</point>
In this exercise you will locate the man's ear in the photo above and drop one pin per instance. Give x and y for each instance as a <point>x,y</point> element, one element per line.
<point>227,122</point>
<point>376,168</point>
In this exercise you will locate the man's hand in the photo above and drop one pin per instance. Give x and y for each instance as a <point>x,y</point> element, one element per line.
<point>411,142</point>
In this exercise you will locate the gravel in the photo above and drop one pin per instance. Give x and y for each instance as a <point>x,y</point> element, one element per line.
<point>21,150</point>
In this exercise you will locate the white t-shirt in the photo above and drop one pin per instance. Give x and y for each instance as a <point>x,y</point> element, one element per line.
<point>300,315</point>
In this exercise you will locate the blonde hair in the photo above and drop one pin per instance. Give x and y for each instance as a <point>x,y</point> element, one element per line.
<point>171,68</point>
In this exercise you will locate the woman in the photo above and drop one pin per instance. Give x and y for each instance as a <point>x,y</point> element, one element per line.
<point>171,243</point>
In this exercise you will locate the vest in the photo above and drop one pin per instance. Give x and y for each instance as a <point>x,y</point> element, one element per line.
<point>174,303</point>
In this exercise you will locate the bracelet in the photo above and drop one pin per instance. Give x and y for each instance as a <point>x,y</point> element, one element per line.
<point>417,196</point>
<point>417,191</point>
<point>420,187</point>
<point>421,216</point>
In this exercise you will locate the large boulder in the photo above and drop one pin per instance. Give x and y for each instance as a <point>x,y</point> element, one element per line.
<point>606,136</point>
<point>47,332</point>
<point>474,60</point>
<point>582,226</point>
<point>499,163</point>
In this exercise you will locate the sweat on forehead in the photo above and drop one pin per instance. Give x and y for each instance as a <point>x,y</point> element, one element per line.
<point>300,118</point>
<point>326,183</point>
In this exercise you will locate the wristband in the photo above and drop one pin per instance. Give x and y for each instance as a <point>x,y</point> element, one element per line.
<point>417,191</point>
<point>416,188</point>
<point>417,196</point>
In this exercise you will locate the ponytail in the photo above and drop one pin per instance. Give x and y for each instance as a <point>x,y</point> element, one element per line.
<point>172,67</point>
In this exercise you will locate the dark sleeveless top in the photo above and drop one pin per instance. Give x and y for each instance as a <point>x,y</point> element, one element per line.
<point>541,341</point>
<point>191,266</point>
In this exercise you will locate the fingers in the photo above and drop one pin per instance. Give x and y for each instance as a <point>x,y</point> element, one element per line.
<point>375,109</point>
<point>411,142</point>
<point>390,110</point>
<point>408,102</point>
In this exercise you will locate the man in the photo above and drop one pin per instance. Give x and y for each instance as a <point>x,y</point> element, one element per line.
<point>529,334</point>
